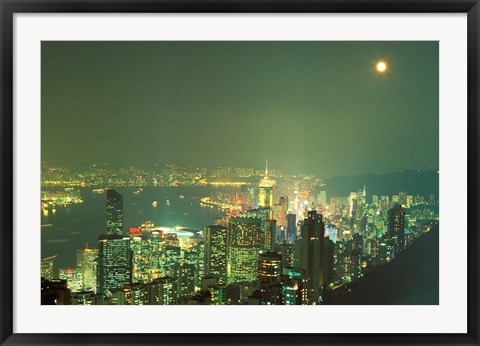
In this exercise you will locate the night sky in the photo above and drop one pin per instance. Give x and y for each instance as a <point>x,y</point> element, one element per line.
<point>307,107</point>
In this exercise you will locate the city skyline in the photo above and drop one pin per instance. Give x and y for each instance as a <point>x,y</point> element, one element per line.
<point>257,170</point>
<point>193,104</point>
<point>269,245</point>
<point>239,173</point>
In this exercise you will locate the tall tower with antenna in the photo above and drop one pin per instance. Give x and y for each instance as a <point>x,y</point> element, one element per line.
<point>265,187</point>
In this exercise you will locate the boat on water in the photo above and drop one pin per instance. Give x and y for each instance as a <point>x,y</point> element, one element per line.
<point>167,201</point>
<point>101,190</point>
<point>181,196</point>
<point>137,192</point>
<point>154,204</point>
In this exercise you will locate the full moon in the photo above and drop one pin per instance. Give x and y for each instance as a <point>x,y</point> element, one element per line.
<point>381,66</point>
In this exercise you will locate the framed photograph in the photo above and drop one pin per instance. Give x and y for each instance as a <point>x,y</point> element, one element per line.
<point>239,172</point>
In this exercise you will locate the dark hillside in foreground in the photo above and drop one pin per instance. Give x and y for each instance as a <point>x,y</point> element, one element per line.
<point>410,279</point>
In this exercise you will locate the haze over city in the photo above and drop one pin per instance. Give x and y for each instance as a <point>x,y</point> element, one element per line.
<point>308,107</point>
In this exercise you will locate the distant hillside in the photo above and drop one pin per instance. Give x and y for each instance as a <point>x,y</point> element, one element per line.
<point>412,182</point>
<point>412,278</point>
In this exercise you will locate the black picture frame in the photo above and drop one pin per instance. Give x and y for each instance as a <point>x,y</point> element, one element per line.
<point>10,7</point>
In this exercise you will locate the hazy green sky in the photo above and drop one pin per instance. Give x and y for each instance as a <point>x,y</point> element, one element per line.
<point>308,107</point>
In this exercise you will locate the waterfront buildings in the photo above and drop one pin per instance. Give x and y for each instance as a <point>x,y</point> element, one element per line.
<point>114,262</point>
<point>258,252</point>
<point>114,212</point>
<point>87,264</point>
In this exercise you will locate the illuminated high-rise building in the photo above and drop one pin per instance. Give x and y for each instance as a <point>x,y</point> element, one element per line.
<point>138,263</point>
<point>280,210</point>
<point>114,269</point>
<point>155,260</point>
<point>269,268</point>
<point>114,212</point>
<point>327,265</point>
<point>396,227</point>
<point>269,290</point>
<point>186,279</point>
<point>74,278</point>
<point>215,257</point>
<point>270,234</point>
<point>172,257</point>
<point>265,188</point>
<point>357,199</point>
<point>291,228</point>
<point>355,261</point>
<point>87,263</point>
<point>245,242</point>
<point>311,247</point>
<point>200,263</point>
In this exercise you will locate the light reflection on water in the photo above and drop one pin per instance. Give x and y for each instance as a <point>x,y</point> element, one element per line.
<point>78,224</point>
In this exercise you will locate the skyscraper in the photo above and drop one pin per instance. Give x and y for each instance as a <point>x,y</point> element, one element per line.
<point>186,279</point>
<point>114,212</point>
<point>200,263</point>
<point>155,262</point>
<point>216,251</point>
<point>280,211</point>
<point>357,198</point>
<point>269,268</point>
<point>311,243</point>
<point>87,263</point>
<point>114,267</point>
<point>270,234</point>
<point>396,227</point>
<point>291,227</point>
<point>74,278</point>
<point>265,188</point>
<point>245,242</point>
<point>327,265</point>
